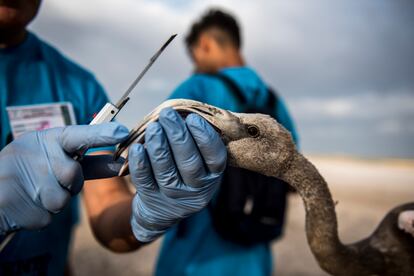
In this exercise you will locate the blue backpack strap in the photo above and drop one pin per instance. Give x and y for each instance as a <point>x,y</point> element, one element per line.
<point>272,101</point>
<point>233,87</point>
<point>270,107</point>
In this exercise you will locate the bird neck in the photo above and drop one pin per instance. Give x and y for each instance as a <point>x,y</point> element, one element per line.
<point>321,222</point>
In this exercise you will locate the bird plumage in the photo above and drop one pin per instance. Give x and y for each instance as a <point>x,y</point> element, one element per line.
<point>259,143</point>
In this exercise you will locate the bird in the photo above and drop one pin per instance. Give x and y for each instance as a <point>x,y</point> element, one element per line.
<point>258,143</point>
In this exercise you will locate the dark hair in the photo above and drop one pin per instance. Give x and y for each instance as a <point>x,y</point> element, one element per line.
<point>220,20</point>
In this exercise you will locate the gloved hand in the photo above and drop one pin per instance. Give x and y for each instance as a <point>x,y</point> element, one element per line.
<point>38,174</point>
<point>176,175</point>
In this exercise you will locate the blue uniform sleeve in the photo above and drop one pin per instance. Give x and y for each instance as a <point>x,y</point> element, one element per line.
<point>286,120</point>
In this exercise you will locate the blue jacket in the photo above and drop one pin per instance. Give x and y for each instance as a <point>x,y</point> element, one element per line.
<point>201,251</point>
<point>34,73</point>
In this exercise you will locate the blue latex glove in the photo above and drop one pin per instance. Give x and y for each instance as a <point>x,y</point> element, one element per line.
<point>176,175</point>
<point>38,175</point>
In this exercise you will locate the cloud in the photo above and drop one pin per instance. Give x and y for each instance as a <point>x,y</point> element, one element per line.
<point>362,106</point>
<point>344,68</point>
<point>336,107</point>
<point>366,124</point>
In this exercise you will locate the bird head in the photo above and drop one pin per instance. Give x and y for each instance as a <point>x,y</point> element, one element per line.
<point>255,142</point>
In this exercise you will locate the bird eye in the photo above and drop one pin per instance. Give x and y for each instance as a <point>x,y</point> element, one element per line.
<point>253,131</point>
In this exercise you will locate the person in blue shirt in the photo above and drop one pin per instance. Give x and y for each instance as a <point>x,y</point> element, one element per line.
<point>194,247</point>
<point>38,176</point>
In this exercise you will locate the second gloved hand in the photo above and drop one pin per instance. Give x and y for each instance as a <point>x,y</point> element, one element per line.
<point>176,174</point>
<point>38,174</point>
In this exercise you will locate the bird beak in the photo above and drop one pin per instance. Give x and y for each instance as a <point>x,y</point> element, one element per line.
<point>218,118</point>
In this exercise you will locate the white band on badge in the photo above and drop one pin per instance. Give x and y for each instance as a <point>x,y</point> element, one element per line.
<point>39,117</point>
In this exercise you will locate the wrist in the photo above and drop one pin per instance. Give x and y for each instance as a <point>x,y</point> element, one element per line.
<point>143,234</point>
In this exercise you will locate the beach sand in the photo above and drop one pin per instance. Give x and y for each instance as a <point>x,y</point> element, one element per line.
<point>364,189</point>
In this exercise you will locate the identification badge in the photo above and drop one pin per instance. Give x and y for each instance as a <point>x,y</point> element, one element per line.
<point>39,117</point>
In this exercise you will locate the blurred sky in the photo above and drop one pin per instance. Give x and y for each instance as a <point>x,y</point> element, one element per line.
<point>345,68</point>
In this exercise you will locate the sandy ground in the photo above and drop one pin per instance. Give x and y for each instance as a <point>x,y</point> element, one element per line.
<point>365,191</point>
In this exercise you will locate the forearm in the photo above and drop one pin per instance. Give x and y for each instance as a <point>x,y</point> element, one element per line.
<point>108,203</point>
<point>112,228</point>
